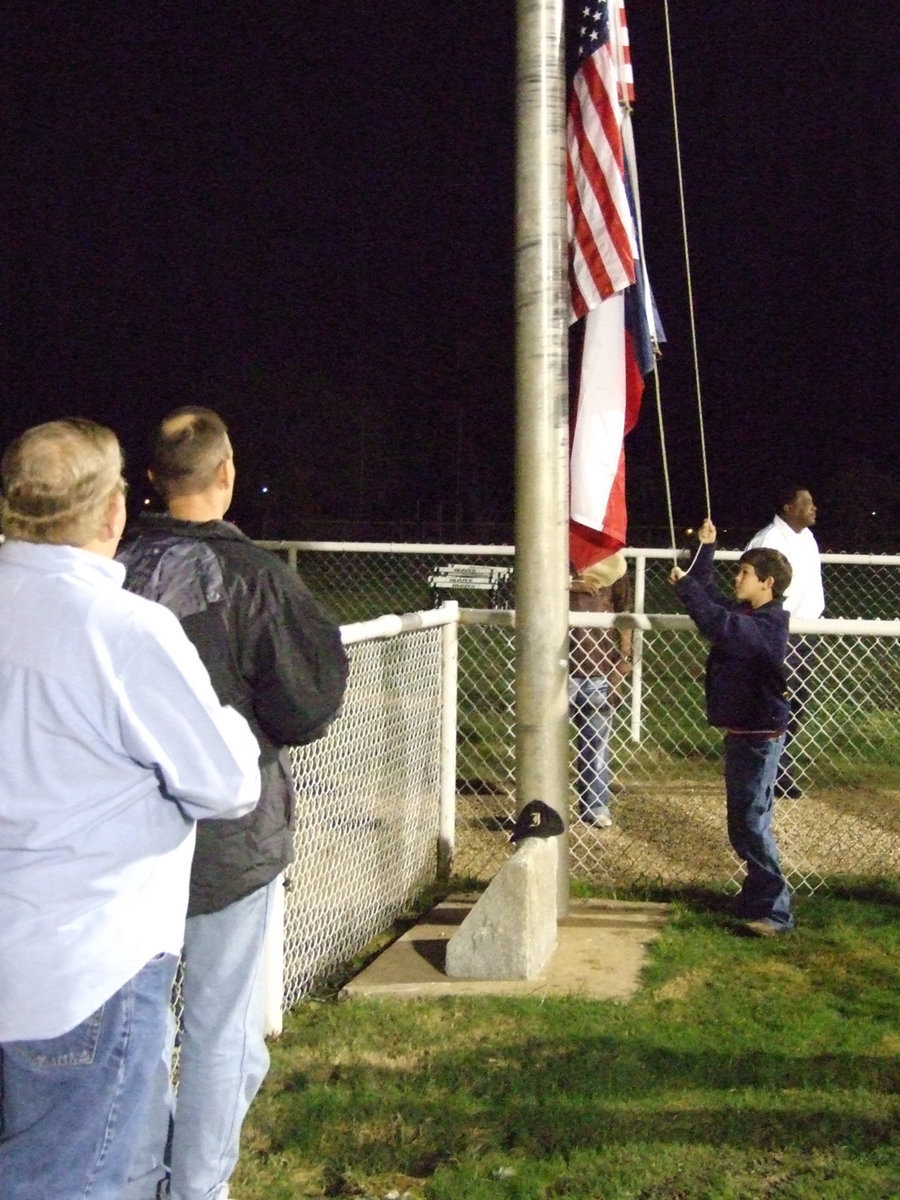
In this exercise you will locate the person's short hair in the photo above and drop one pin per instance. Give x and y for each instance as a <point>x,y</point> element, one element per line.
<point>766,562</point>
<point>186,451</point>
<point>57,482</point>
<point>787,493</point>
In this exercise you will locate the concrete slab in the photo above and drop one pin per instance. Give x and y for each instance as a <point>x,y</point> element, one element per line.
<point>600,953</point>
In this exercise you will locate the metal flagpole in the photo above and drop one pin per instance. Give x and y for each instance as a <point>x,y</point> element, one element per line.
<point>542,557</point>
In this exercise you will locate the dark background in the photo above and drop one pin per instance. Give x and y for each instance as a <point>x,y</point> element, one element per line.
<point>303,216</point>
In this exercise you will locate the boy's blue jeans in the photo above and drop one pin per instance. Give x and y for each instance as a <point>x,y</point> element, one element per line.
<point>73,1105</point>
<point>751,763</point>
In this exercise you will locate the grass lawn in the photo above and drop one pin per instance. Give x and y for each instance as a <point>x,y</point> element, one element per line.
<point>742,1069</point>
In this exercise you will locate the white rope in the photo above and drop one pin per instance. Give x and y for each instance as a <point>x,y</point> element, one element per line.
<point>665,465</point>
<point>687,262</point>
<point>628,146</point>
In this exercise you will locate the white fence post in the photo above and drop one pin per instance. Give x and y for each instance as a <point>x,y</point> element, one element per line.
<point>637,645</point>
<point>449,679</point>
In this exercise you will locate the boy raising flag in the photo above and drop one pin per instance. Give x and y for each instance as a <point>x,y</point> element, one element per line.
<point>746,694</point>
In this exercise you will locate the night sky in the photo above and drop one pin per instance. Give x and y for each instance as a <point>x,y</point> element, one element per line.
<point>303,216</point>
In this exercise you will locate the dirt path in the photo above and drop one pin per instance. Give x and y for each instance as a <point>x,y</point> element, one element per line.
<point>676,834</point>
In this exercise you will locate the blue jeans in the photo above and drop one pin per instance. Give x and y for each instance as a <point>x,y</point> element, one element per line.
<point>73,1105</point>
<point>589,703</point>
<point>223,1056</point>
<point>751,764</point>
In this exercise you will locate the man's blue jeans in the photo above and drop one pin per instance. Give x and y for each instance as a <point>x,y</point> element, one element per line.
<point>589,703</point>
<point>751,763</point>
<point>223,1055</point>
<point>73,1105</point>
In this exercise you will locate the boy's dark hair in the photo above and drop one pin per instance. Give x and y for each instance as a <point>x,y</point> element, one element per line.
<point>766,562</point>
<point>187,448</point>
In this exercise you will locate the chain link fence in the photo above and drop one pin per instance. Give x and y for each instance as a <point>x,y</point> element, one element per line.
<point>857,586</point>
<point>359,581</point>
<point>368,816</point>
<point>369,838</point>
<point>370,812</point>
<point>668,806</point>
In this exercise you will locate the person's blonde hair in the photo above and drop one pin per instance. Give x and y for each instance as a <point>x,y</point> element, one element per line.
<point>602,574</point>
<point>57,482</point>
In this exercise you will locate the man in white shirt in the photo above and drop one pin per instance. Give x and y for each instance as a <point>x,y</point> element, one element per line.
<point>114,744</point>
<point>790,532</point>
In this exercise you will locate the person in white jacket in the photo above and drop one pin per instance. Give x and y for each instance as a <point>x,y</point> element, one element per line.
<point>790,531</point>
<point>114,743</point>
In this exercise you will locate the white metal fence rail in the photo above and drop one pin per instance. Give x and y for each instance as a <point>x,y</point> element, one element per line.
<point>361,580</point>
<point>420,765</point>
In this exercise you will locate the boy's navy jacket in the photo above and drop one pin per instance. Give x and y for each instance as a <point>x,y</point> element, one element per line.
<point>746,683</point>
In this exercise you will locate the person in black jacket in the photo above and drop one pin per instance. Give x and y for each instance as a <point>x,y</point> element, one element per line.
<point>746,693</point>
<point>274,655</point>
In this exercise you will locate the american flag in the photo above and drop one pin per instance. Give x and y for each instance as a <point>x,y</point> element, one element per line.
<point>609,290</point>
<point>601,230</point>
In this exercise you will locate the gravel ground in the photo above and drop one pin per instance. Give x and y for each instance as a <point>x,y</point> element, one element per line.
<point>676,834</point>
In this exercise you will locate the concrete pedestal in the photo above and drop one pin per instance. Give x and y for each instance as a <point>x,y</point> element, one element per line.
<point>511,931</point>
